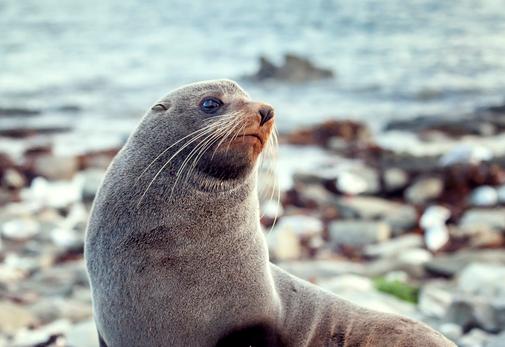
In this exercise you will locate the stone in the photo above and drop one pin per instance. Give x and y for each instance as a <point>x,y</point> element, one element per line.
<point>484,196</point>
<point>92,178</point>
<point>395,179</point>
<point>483,279</point>
<point>436,237</point>
<point>284,244</point>
<point>322,269</point>
<point>14,317</point>
<point>475,338</point>
<point>355,233</point>
<point>501,194</point>
<point>424,190</point>
<point>393,247</point>
<point>55,167</point>
<point>435,298</point>
<point>496,341</point>
<point>13,179</point>
<point>400,217</point>
<point>469,311</point>
<point>361,290</point>
<point>83,335</point>
<point>449,265</point>
<point>478,219</point>
<point>20,229</point>
<point>294,70</point>
<point>40,336</point>
<point>452,331</point>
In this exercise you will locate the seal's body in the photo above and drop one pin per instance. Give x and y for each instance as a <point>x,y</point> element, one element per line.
<point>175,252</point>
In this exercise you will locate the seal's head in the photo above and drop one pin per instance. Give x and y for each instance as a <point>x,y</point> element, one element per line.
<point>213,131</point>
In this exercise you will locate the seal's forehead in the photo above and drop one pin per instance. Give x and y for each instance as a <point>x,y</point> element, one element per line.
<point>223,87</point>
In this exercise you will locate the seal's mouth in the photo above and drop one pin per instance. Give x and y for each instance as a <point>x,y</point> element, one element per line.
<point>252,137</point>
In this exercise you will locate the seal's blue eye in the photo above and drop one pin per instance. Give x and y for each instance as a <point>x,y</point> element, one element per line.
<point>210,105</point>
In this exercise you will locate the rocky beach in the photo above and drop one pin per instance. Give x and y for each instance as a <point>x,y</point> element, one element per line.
<point>408,220</point>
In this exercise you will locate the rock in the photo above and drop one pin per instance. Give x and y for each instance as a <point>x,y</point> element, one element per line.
<point>18,111</point>
<point>433,220</point>
<point>53,194</point>
<point>399,216</point>
<point>357,233</point>
<point>479,219</point>
<point>484,196</point>
<point>92,179</point>
<point>436,237</point>
<point>322,269</point>
<point>483,279</point>
<point>12,179</point>
<point>466,154</point>
<point>358,180</point>
<point>323,134</point>
<point>40,336</point>
<point>395,179</point>
<point>475,338</point>
<point>469,310</point>
<point>55,167</point>
<point>284,244</point>
<point>452,331</point>
<point>496,341</point>
<point>435,298</point>
<point>424,190</point>
<point>20,229</point>
<point>14,317</point>
<point>361,290</point>
<point>294,70</point>
<point>393,247</point>
<point>449,265</point>
<point>25,132</point>
<point>83,335</point>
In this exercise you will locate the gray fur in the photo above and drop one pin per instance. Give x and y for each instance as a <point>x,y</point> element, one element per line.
<point>187,266</point>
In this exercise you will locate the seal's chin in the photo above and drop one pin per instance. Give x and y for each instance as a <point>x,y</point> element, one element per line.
<point>235,162</point>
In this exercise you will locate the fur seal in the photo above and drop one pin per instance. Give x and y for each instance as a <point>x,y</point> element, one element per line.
<point>174,249</point>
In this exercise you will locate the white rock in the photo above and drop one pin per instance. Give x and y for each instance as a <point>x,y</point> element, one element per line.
<point>83,335</point>
<point>56,167</point>
<point>475,338</point>
<point>271,209</point>
<point>356,233</point>
<point>28,337</point>
<point>303,226</point>
<point>434,299</point>
<point>53,194</point>
<point>451,330</point>
<point>351,184</point>
<point>436,237</point>
<point>483,219</point>
<point>284,244</point>
<point>483,279</point>
<point>20,229</point>
<point>424,190</point>
<point>393,247</point>
<point>414,256</point>
<point>484,196</point>
<point>434,216</point>
<point>466,154</point>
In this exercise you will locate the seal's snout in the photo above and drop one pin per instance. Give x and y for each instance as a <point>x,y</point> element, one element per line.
<point>266,113</point>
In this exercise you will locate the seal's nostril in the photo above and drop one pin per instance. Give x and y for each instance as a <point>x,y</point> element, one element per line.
<point>266,113</point>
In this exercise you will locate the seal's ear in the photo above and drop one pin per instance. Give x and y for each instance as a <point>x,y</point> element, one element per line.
<point>161,107</point>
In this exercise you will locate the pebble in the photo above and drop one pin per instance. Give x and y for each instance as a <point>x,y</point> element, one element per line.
<point>424,190</point>
<point>358,233</point>
<point>14,317</point>
<point>20,229</point>
<point>475,338</point>
<point>484,196</point>
<point>393,247</point>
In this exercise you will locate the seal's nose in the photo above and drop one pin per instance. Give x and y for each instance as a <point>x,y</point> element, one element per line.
<point>266,113</point>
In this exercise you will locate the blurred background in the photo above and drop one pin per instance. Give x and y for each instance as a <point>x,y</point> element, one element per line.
<point>390,170</point>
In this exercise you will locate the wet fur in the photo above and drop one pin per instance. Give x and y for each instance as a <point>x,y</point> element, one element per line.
<point>189,266</point>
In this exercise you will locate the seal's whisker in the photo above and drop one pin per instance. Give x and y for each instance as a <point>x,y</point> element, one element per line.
<point>210,130</point>
<point>197,152</point>
<point>230,129</point>
<point>212,121</point>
